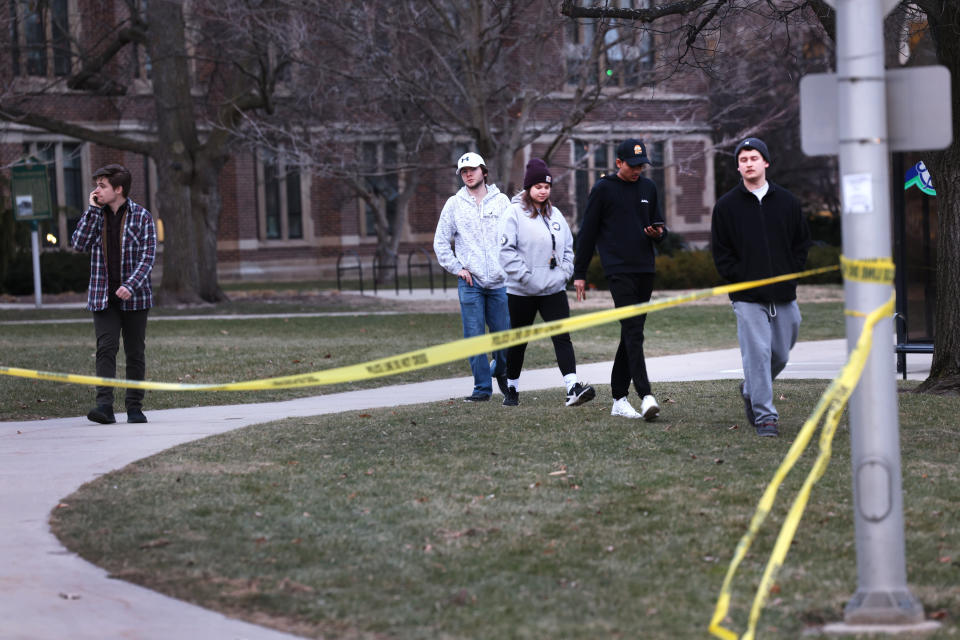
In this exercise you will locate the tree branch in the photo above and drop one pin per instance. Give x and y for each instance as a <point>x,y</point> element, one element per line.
<point>53,125</point>
<point>680,7</point>
<point>86,78</point>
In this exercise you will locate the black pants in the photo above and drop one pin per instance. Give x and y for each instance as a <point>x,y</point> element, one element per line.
<point>523,311</point>
<point>627,289</point>
<point>109,325</point>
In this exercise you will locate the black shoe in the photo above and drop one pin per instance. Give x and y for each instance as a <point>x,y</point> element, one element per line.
<point>768,430</point>
<point>511,398</point>
<point>135,416</point>
<point>747,406</point>
<point>102,413</point>
<point>579,394</point>
<point>476,398</point>
<point>502,383</point>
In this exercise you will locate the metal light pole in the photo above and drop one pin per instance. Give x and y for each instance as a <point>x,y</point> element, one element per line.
<point>35,246</point>
<point>882,595</point>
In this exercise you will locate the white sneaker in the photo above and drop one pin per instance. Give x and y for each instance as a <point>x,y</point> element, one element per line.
<point>649,408</point>
<point>622,408</point>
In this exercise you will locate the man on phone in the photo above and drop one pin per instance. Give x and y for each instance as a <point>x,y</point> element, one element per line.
<point>759,231</point>
<point>122,240</point>
<point>623,220</point>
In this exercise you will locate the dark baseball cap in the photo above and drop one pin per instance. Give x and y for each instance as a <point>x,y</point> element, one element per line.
<point>752,143</point>
<point>633,151</point>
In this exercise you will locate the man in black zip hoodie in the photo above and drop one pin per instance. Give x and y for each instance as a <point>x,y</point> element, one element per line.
<point>622,219</point>
<point>759,232</point>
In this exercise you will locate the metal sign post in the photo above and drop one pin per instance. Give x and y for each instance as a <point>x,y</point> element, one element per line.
<point>882,596</point>
<point>30,190</point>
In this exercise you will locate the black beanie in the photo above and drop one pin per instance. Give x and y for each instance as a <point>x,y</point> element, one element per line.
<point>752,143</point>
<point>536,173</point>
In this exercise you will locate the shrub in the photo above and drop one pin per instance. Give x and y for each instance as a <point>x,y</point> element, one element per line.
<point>60,271</point>
<point>682,270</point>
<point>694,269</point>
<point>686,270</point>
<point>823,256</point>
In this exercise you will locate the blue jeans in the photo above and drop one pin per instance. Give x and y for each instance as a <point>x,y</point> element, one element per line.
<point>480,308</point>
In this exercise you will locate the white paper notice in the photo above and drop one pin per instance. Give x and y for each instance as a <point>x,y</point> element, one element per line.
<point>858,193</point>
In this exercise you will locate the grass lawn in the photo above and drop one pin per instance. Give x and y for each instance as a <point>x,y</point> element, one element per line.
<point>220,350</point>
<point>450,520</point>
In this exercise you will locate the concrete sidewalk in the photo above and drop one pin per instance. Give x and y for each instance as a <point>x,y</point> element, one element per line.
<point>48,593</point>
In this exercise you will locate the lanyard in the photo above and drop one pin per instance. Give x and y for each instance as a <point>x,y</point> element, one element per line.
<point>553,239</point>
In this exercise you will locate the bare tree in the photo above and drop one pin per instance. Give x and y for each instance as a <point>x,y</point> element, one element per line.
<point>200,92</point>
<point>420,75</point>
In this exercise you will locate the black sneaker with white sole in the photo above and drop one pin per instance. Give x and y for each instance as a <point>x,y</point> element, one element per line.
<point>579,394</point>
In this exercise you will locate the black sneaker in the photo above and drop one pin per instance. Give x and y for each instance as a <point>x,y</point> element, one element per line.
<point>511,398</point>
<point>102,413</point>
<point>135,416</point>
<point>476,398</point>
<point>768,430</point>
<point>579,394</point>
<point>747,406</point>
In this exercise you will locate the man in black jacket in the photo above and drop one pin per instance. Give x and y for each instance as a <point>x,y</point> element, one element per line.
<point>621,220</point>
<point>759,232</point>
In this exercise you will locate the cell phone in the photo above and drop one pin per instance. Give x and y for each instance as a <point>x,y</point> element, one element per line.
<point>659,224</point>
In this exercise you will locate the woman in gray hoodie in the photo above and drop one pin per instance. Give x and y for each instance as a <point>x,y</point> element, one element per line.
<point>536,252</point>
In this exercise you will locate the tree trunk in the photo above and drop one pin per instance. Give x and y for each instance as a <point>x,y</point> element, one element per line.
<point>180,264</point>
<point>186,178</point>
<point>206,205</point>
<point>944,20</point>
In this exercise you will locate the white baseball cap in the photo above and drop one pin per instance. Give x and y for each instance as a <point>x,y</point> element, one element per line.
<point>470,159</point>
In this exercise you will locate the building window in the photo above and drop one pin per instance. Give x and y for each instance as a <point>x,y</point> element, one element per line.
<point>142,69</point>
<point>382,182</point>
<point>40,37</point>
<point>624,57</point>
<point>280,192</point>
<point>64,163</point>
<point>593,160</point>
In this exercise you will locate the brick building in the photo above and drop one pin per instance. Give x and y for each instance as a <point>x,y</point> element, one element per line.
<point>280,222</point>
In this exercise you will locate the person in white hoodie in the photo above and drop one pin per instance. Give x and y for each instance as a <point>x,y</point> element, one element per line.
<point>536,252</point>
<point>466,245</point>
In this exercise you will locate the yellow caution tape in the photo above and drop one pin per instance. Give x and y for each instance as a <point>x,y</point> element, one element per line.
<point>421,358</point>
<point>875,270</point>
<point>832,402</point>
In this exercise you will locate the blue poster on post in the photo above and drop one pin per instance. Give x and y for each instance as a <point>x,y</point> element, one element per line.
<point>918,176</point>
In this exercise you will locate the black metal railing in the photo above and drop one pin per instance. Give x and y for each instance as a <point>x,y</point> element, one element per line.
<point>358,267</point>
<point>427,262</point>
<point>379,268</point>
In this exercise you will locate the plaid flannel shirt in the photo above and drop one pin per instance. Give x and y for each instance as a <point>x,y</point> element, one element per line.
<point>137,252</point>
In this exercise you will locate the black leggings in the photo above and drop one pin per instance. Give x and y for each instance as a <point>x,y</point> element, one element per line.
<point>523,311</point>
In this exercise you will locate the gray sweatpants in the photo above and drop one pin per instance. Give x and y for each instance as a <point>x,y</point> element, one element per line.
<point>766,332</point>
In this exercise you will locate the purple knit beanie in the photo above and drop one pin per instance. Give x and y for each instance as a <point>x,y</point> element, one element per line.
<point>536,173</point>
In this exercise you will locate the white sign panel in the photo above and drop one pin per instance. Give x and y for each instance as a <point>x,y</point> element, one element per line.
<point>858,193</point>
